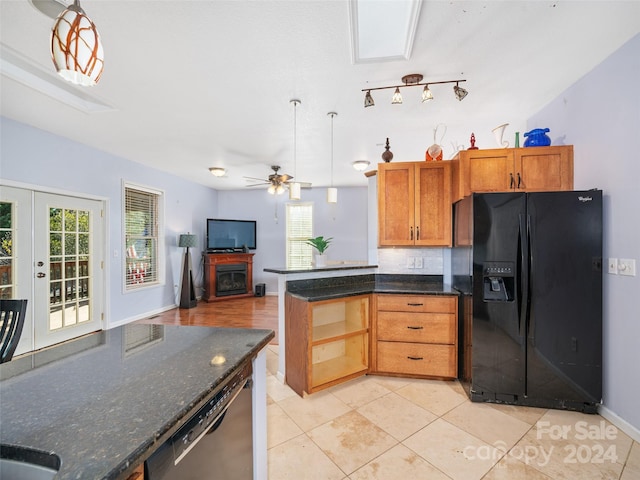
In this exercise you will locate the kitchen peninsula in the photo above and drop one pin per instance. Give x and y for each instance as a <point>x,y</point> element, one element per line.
<point>106,401</point>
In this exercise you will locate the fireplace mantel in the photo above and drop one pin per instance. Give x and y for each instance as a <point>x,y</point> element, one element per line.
<point>211,260</point>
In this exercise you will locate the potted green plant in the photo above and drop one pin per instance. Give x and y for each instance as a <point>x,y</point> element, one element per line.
<point>320,244</point>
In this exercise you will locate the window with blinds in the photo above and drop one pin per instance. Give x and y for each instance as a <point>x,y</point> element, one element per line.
<point>142,242</point>
<point>299,229</point>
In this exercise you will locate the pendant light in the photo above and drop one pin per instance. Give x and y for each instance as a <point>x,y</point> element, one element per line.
<point>76,49</point>
<point>332,193</point>
<point>294,187</point>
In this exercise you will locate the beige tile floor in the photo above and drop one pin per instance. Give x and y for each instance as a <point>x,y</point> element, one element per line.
<point>388,428</point>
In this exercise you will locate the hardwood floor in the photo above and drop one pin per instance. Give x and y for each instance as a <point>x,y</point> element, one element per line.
<point>250,312</point>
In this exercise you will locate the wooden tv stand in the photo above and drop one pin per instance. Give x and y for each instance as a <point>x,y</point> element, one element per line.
<point>212,260</point>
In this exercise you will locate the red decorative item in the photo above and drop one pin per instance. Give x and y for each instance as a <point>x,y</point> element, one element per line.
<point>472,140</point>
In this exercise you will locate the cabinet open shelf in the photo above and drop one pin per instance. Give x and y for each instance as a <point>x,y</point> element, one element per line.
<point>335,331</point>
<point>330,370</point>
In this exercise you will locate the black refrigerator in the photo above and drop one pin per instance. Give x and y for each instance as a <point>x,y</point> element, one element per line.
<point>532,264</point>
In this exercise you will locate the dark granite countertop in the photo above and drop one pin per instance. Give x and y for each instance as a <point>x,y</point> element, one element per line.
<point>328,268</point>
<point>106,401</point>
<point>314,290</point>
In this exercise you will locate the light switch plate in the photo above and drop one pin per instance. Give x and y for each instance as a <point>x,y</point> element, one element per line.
<point>627,266</point>
<point>411,262</point>
<point>613,266</point>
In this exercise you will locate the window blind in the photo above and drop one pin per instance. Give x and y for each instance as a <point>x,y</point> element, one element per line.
<point>299,229</point>
<point>141,224</point>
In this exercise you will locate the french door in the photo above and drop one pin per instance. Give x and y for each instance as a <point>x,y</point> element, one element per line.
<point>58,264</point>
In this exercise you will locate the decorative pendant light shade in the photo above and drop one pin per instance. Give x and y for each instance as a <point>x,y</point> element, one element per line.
<point>460,92</point>
<point>397,97</point>
<point>76,49</point>
<point>426,94</point>
<point>332,193</point>
<point>294,188</point>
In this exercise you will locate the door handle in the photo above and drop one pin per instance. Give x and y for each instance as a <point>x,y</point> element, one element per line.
<point>41,275</point>
<point>415,358</point>
<point>414,328</point>
<point>519,180</point>
<point>415,304</point>
<point>418,232</point>
<point>511,181</point>
<point>411,233</point>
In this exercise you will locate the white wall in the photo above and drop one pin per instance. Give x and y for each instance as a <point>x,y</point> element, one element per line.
<point>345,221</point>
<point>34,157</point>
<point>600,116</point>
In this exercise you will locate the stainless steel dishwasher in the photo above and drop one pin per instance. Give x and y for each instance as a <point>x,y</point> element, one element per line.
<point>216,442</point>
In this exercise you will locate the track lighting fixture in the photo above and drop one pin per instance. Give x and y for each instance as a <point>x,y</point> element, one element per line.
<point>76,49</point>
<point>414,80</point>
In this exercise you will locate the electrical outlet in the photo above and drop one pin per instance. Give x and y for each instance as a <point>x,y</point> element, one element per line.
<point>418,262</point>
<point>613,266</point>
<point>411,262</point>
<point>627,266</point>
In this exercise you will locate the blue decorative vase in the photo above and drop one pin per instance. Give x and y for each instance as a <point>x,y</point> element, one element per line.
<point>537,138</point>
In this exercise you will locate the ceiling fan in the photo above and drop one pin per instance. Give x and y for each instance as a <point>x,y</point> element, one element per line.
<point>277,182</point>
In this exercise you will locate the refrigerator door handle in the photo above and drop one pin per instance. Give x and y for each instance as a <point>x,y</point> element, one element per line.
<point>522,279</point>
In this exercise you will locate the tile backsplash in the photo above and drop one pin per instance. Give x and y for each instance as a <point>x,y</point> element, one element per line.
<point>415,261</point>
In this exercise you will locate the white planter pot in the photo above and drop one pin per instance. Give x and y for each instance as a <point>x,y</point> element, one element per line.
<point>321,260</point>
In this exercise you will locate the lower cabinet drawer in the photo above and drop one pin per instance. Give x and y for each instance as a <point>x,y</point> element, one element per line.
<point>417,327</point>
<point>417,359</point>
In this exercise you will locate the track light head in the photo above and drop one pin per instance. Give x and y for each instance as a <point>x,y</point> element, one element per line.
<point>460,92</point>
<point>368,100</point>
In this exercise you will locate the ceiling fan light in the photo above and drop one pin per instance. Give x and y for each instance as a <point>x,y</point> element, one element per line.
<point>332,195</point>
<point>368,100</point>
<point>294,191</point>
<point>217,171</point>
<point>460,92</point>
<point>361,165</point>
<point>397,97</point>
<point>76,49</point>
<point>272,189</point>
<point>426,94</point>
<point>280,189</point>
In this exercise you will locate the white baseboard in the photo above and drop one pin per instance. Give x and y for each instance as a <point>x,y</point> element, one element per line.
<point>142,316</point>
<point>619,422</point>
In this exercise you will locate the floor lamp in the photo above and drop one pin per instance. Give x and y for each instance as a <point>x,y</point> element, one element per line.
<point>187,293</point>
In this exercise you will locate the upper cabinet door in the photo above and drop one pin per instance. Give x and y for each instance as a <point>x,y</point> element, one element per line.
<point>545,168</point>
<point>433,204</point>
<point>396,193</point>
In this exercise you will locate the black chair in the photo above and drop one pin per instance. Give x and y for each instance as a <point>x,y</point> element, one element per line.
<point>12,313</point>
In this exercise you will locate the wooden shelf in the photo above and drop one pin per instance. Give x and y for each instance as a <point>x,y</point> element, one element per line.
<point>330,370</point>
<point>335,331</point>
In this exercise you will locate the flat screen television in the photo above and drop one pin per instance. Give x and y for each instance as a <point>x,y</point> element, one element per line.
<point>230,234</point>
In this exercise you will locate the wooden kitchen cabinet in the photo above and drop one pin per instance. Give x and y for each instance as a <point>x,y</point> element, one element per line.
<point>327,342</point>
<point>531,169</point>
<point>416,335</point>
<point>414,204</point>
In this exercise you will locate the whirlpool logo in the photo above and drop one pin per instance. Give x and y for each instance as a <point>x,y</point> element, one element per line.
<point>585,199</point>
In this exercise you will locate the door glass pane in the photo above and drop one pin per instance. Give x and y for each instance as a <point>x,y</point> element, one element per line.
<point>69,259</point>
<point>6,250</point>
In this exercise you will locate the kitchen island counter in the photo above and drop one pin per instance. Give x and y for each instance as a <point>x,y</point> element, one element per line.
<point>105,402</point>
